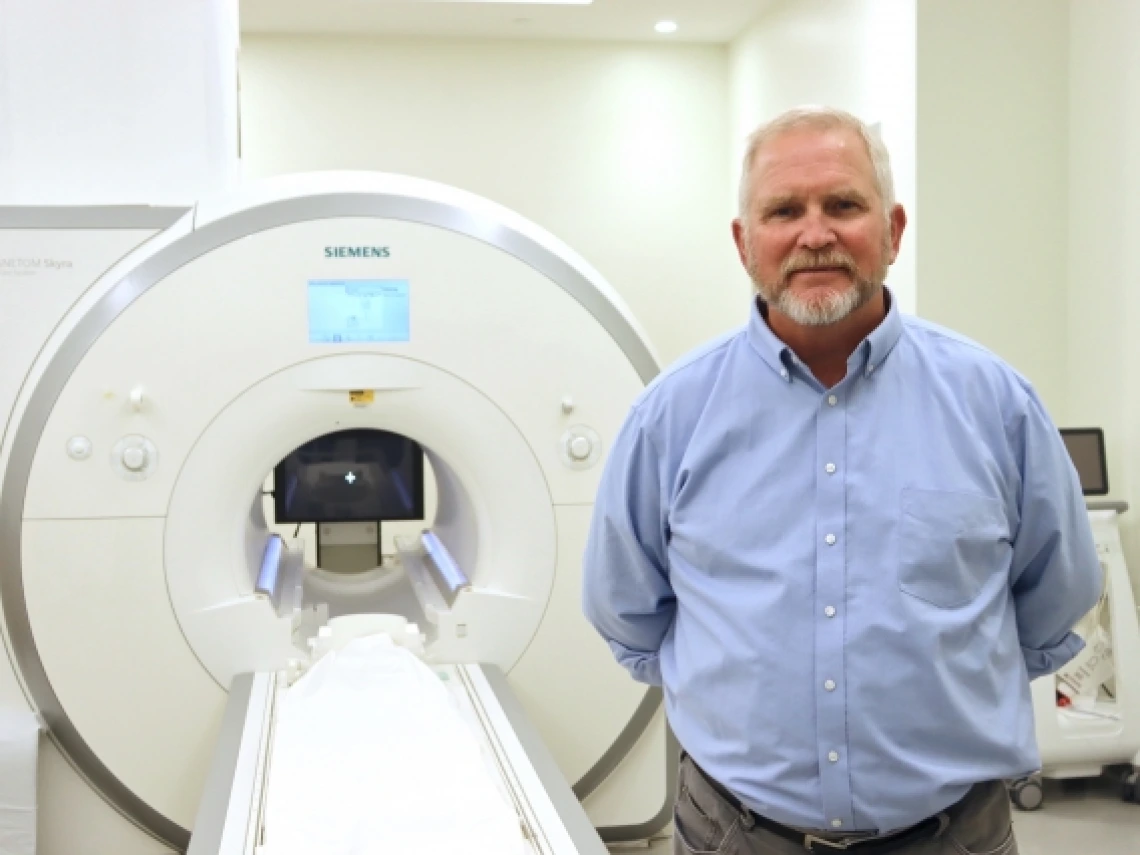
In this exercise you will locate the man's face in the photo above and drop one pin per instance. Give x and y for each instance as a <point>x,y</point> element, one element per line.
<point>815,239</point>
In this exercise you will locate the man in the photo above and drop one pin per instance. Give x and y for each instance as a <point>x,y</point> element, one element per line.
<point>842,540</point>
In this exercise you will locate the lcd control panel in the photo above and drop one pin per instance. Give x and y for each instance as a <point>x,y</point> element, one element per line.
<point>354,311</point>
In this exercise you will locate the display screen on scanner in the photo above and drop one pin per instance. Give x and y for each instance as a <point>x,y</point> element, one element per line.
<point>351,476</point>
<point>1086,450</point>
<point>355,311</point>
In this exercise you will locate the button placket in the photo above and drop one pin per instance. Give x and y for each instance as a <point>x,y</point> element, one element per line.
<point>830,591</point>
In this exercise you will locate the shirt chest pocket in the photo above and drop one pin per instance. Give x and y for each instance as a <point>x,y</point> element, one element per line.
<point>950,544</point>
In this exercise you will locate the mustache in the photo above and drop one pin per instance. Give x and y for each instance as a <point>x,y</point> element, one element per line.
<point>808,260</point>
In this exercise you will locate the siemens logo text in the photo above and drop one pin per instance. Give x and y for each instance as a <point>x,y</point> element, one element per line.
<point>357,252</point>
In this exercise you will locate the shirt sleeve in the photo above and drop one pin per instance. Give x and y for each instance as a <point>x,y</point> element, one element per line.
<point>626,591</point>
<point>1056,576</point>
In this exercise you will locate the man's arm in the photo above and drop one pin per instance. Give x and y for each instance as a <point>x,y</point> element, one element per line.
<point>626,590</point>
<point>1056,577</point>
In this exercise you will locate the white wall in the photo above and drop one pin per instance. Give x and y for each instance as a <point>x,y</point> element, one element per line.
<point>619,150</point>
<point>117,101</point>
<point>1103,299</point>
<point>858,55</point>
<point>992,179</point>
<point>1029,180</point>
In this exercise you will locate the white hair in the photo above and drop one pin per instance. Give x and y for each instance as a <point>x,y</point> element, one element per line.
<point>819,118</point>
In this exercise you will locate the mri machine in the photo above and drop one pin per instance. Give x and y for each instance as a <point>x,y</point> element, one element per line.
<point>162,365</point>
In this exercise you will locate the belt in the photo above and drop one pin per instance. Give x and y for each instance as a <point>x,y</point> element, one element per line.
<point>925,830</point>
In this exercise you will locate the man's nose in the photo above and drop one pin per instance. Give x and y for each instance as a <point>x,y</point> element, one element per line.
<point>817,232</point>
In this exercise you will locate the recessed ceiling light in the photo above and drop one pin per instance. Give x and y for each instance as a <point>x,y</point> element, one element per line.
<point>666,27</point>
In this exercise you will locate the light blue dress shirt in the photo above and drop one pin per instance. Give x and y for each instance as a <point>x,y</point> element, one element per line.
<point>844,591</point>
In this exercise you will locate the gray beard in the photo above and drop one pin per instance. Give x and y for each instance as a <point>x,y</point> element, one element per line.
<point>831,309</point>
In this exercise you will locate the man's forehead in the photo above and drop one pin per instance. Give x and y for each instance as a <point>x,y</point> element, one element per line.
<point>811,156</point>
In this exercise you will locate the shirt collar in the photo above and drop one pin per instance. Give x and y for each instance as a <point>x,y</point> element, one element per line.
<point>871,352</point>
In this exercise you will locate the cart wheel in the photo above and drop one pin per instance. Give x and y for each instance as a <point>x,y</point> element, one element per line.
<point>1027,794</point>
<point>1130,787</point>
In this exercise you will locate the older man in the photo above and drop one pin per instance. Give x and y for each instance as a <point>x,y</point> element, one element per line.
<point>842,539</point>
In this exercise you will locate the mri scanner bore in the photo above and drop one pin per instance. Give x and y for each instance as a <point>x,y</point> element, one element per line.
<point>333,495</point>
<point>234,344</point>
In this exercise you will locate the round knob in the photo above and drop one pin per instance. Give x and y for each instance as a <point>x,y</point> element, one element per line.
<point>580,448</point>
<point>134,458</point>
<point>79,448</point>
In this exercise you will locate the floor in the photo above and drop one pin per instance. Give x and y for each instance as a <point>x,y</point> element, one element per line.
<point>1080,817</point>
<point>1083,817</point>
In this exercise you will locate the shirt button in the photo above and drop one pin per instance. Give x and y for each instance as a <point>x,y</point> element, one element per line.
<point>829,611</point>
<point>832,400</point>
<point>784,373</point>
<point>833,756</point>
<point>837,823</point>
<point>830,539</point>
<point>830,467</point>
<point>870,370</point>
<point>829,685</point>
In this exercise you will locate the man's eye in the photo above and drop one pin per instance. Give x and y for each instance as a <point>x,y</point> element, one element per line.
<point>783,211</point>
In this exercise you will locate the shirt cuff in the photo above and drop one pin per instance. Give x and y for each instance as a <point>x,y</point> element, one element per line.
<point>1051,659</point>
<point>644,667</point>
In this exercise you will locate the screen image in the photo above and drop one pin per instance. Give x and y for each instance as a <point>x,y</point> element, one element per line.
<point>351,476</point>
<point>348,311</point>
<point>1086,449</point>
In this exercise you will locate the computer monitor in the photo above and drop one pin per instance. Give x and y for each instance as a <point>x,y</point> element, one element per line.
<point>1086,449</point>
<point>351,476</point>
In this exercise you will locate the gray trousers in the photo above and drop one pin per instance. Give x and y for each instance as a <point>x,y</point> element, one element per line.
<point>706,823</point>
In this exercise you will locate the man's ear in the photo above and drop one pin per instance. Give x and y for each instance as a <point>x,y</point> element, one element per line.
<point>898,226</point>
<point>741,241</point>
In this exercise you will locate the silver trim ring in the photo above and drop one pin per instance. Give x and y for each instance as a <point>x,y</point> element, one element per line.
<point>99,317</point>
<point>637,725</point>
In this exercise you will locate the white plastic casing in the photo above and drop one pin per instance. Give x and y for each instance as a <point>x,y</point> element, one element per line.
<point>154,574</point>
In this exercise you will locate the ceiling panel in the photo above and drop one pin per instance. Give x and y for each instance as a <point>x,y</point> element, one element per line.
<point>707,21</point>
